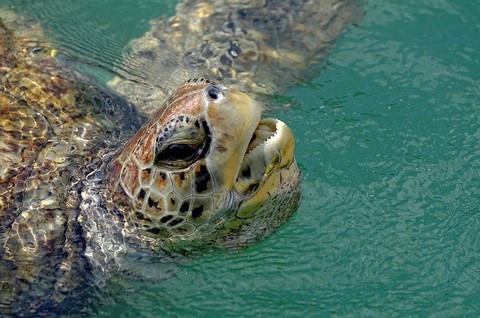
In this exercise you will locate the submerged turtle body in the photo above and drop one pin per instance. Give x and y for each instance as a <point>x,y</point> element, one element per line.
<point>51,125</point>
<point>261,46</point>
<point>82,192</point>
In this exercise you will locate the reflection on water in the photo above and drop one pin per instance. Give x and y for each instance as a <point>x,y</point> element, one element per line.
<point>388,139</point>
<point>93,34</point>
<point>395,195</point>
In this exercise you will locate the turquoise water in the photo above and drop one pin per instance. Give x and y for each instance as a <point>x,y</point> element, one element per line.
<point>388,138</point>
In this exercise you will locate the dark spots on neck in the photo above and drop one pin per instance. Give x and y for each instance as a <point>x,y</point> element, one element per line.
<point>181,175</point>
<point>176,221</point>
<point>146,176</point>
<point>197,212</point>
<point>159,232</point>
<point>141,217</point>
<point>184,207</point>
<point>163,175</point>
<point>166,218</point>
<point>141,195</point>
<point>181,230</point>
<point>202,178</point>
<point>152,203</point>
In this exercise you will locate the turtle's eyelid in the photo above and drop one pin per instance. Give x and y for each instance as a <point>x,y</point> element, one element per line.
<point>187,152</point>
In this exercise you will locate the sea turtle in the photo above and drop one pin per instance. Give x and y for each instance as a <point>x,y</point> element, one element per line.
<point>83,194</point>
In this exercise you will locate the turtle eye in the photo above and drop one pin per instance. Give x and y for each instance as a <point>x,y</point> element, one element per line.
<point>179,152</point>
<point>182,143</point>
<point>214,93</point>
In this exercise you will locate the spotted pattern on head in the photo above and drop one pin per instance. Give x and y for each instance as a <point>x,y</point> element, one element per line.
<point>162,174</point>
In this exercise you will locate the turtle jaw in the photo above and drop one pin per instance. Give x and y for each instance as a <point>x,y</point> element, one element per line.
<point>268,167</point>
<point>232,122</point>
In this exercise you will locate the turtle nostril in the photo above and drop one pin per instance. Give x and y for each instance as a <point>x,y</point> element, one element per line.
<point>214,92</point>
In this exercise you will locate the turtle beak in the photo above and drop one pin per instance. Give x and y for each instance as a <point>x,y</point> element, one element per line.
<point>269,169</point>
<point>232,122</point>
<point>271,149</point>
<point>252,156</point>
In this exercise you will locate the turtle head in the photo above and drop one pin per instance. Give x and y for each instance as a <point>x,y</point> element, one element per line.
<point>206,167</point>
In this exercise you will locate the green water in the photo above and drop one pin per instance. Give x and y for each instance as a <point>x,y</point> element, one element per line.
<point>388,138</point>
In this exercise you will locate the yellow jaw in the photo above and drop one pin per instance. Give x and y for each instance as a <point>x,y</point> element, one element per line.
<point>233,120</point>
<point>270,164</point>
